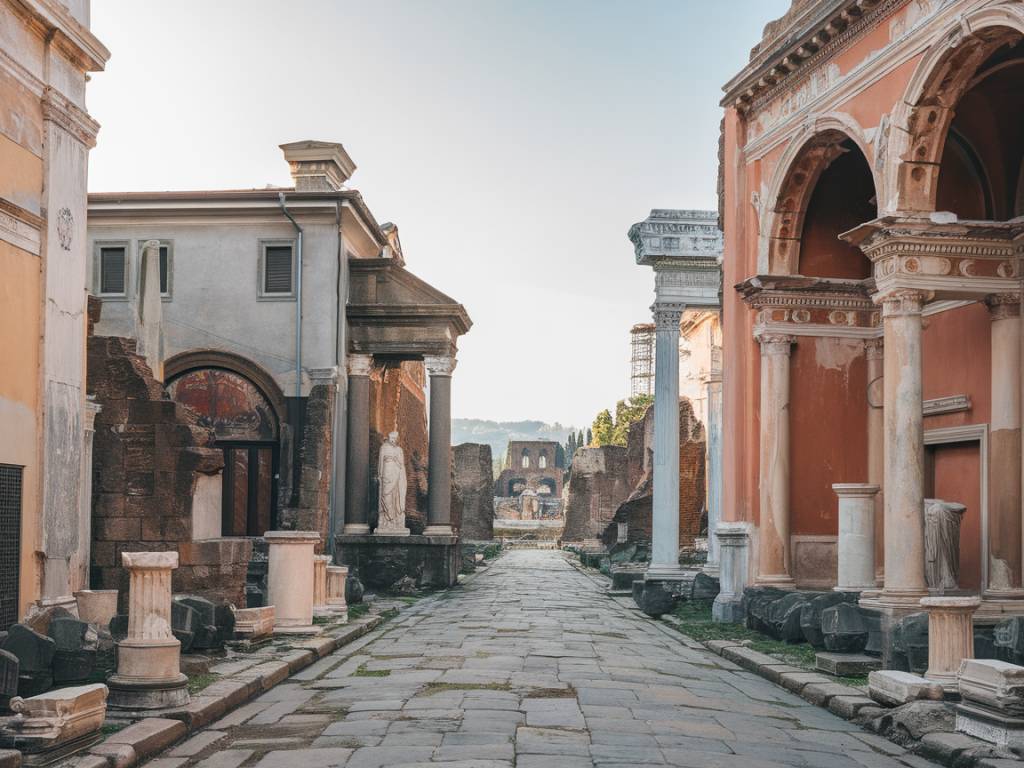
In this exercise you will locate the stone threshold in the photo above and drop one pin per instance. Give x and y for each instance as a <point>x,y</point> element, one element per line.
<point>949,748</point>
<point>145,738</point>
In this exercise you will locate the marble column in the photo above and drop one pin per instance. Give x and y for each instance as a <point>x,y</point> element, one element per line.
<point>665,522</point>
<point>290,578</point>
<point>773,534</point>
<point>320,563</point>
<point>733,539</point>
<point>80,562</point>
<point>856,545</point>
<point>337,576</point>
<point>148,659</point>
<point>1004,453</point>
<point>874,356</point>
<point>357,455</point>
<point>714,468</point>
<point>904,451</point>
<point>439,460</point>
<point>950,637</point>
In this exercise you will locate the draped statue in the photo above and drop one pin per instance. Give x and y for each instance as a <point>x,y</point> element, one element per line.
<point>942,543</point>
<point>391,471</point>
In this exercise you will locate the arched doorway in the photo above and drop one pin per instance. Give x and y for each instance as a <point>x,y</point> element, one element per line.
<point>246,421</point>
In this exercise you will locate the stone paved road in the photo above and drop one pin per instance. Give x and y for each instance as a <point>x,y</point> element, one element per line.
<point>529,665</point>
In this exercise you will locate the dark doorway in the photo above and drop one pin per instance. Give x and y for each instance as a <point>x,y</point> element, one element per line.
<point>10,543</point>
<point>249,506</point>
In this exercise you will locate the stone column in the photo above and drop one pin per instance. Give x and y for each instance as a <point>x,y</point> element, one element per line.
<point>950,637</point>
<point>714,468</point>
<point>773,533</point>
<point>904,451</point>
<point>290,578</point>
<point>357,456</point>
<point>439,461</point>
<point>83,555</point>
<point>665,522</point>
<point>1003,578</point>
<point>856,536</point>
<point>320,563</point>
<point>874,355</point>
<point>337,576</point>
<point>148,659</point>
<point>733,540</point>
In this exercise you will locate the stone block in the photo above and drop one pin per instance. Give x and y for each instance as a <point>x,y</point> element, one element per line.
<point>1008,640</point>
<point>810,616</point>
<point>254,623</point>
<point>990,725</point>
<point>756,603</point>
<point>819,694</point>
<point>782,617</point>
<point>894,688</point>
<point>915,720</point>
<point>56,724</point>
<point>657,597</point>
<point>993,683</point>
<point>843,629</point>
<point>910,643</point>
<point>846,664</point>
<point>624,576</point>
<point>704,587</point>
<point>8,678</point>
<point>184,624</point>
<point>35,659</point>
<point>119,626</point>
<point>204,623</point>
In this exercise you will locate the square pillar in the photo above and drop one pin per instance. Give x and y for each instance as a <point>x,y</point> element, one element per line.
<point>357,455</point>
<point>733,541</point>
<point>856,545</point>
<point>290,578</point>
<point>439,460</point>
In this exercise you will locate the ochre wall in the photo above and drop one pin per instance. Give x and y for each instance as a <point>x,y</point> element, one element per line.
<point>20,292</point>
<point>828,429</point>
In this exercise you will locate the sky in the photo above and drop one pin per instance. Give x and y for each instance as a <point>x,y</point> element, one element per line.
<point>513,143</point>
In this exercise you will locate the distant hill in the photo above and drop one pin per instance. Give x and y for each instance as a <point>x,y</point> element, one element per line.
<point>497,434</point>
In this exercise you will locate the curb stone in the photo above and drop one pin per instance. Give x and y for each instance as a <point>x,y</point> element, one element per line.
<point>147,737</point>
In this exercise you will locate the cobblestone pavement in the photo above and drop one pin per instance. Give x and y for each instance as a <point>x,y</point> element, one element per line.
<point>529,664</point>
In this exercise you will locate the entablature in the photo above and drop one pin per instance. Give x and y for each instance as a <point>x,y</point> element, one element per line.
<point>811,306</point>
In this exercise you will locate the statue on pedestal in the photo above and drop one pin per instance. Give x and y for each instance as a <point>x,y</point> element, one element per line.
<point>391,471</point>
<point>942,543</point>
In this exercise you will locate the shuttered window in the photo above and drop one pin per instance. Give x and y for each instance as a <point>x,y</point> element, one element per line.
<point>164,265</point>
<point>112,271</point>
<point>277,269</point>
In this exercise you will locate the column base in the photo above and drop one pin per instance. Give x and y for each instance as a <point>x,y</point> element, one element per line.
<point>664,573</point>
<point>127,693</point>
<point>439,530</point>
<point>779,581</point>
<point>907,601</point>
<point>355,528</point>
<point>728,610</point>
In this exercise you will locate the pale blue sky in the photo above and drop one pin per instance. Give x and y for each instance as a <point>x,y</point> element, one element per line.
<point>512,142</point>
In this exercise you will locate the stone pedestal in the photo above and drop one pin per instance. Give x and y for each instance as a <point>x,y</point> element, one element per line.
<point>97,606</point>
<point>992,708</point>
<point>290,579</point>
<point>320,564</point>
<point>950,637</point>
<point>337,576</point>
<point>856,543</point>
<point>148,673</point>
<point>380,561</point>
<point>55,724</point>
<point>252,624</point>
<point>733,542</point>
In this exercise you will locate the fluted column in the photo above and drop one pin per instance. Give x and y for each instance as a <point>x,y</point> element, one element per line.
<point>337,576</point>
<point>1003,577</point>
<point>874,353</point>
<point>950,636</point>
<point>773,533</point>
<point>665,522</point>
<point>320,563</point>
<point>904,450</point>
<point>714,468</point>
<point>439,461</point>
<point>357,457</point>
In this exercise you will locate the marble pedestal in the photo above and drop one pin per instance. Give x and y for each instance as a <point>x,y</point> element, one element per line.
<point>733,543</point>
<point>148,673</point>
<point>337,576</point>
<point>992,707</point>
<point>950,637</point>
<point>290,578</point>
<point>380,561</point>
<point>320,564</point>
<point>856,544</point>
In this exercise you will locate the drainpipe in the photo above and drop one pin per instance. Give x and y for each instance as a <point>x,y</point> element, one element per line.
<point>298,298</point>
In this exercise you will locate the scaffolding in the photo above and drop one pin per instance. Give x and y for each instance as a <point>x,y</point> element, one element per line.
<point>641,378</point>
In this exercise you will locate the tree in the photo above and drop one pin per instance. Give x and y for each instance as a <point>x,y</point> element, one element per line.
<point>590,438</point>
<point>603,428</point>
<point>580,441</point>
<point>626,414</point>
<point>570,447</point>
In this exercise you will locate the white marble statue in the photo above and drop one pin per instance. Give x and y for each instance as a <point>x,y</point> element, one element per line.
<point>391,471</point>
<point>942,543</point>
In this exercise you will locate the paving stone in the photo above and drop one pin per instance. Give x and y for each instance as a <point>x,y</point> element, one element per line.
<point>296,758</point>
<point>228,758</point>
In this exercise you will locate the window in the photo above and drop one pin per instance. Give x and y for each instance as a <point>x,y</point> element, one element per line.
<point>277,265</point>
<point>112,270</point>
<point>542,462</point>
<point>526,461</point>
<point>166,260</point>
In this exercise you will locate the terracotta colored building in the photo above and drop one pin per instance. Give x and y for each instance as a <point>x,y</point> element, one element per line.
<point>872,189</point>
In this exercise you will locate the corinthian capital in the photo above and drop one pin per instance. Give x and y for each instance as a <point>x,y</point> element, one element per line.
<point>903,302</point>
<point>439,365</point>
<point>667,315</point>
<point>776,343</point>
<point>1003,306</point>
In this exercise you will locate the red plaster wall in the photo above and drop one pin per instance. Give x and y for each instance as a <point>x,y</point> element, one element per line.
<point>957,358</point>
<point>957,477</point>
<point>828,429</point>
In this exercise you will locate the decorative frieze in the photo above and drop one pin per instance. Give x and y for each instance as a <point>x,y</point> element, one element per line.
<point>810,306</point>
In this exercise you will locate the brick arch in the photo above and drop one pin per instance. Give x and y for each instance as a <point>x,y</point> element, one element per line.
<point>793,184</point>
<point>186,362</point>
<point>921,121</point>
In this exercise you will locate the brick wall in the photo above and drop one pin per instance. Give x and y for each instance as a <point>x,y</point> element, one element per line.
<point>316,463</point>
<point>598,484</point>
<point>474,479</point>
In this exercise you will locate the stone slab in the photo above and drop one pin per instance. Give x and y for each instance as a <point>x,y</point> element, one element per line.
<point>894,688</point>
<point>846,664</point>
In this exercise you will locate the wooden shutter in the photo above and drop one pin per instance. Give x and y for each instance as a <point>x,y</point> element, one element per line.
<point>112,270</point>
<point>164,264</point>
<point>277,269</point>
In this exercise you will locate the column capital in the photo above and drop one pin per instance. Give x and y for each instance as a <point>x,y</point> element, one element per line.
<point>902,302</point>
<point>667,315</point>
<point>1003,306</point>
<point>440,365</point>
<point>776,343</point>
<point>360,365</point>
<point>874,349</point>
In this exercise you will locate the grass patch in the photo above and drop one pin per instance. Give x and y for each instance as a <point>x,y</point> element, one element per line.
<point>431,688</point>
<point>109,729</point>
<point>409,600</point>
<point>362,671</point>
<point>358,610</point>
<point>196,683</point>
<point>552,693</point>
<point>321,620</point>
<point>491,551</point>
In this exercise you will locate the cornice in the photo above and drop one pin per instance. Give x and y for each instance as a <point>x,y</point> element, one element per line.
<point>52,20</point>
<point>77,122</point>
<point>22,229</point>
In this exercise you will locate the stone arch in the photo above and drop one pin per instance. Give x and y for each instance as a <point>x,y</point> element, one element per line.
<point>796,175</point>
<point>921,120</point>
